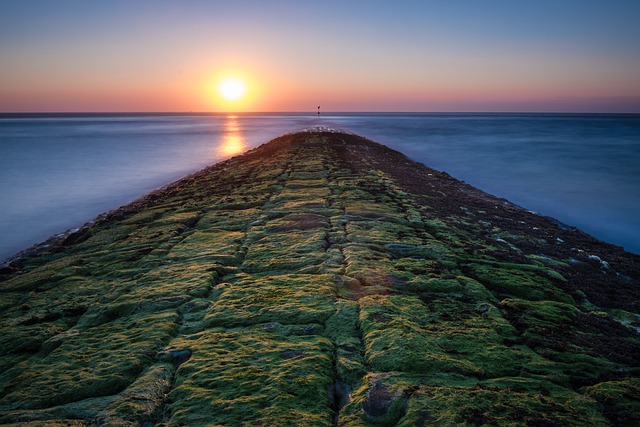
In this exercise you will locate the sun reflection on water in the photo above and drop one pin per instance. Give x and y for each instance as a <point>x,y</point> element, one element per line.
<point>232,145</point>
<point>232,139</point>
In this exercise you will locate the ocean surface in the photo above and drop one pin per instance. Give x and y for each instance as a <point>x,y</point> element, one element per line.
<point>59,171</point>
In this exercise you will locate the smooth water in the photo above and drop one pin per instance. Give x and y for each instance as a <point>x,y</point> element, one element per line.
<point>59,171</point>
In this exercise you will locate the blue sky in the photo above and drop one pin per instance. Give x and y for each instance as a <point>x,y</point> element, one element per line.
<point>562,55</point>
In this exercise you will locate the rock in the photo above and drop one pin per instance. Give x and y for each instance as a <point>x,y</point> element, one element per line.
<point>180,356</point>
<point>380,400</point>
<point>292,354</point>
<point>326,278</point>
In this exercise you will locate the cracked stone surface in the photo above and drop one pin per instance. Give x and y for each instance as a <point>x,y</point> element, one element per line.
<point>318,280</point>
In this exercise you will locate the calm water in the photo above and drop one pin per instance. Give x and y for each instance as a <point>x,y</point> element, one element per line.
<point>59,171</point>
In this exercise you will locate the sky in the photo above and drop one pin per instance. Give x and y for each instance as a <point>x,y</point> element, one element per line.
<point>401,55</point>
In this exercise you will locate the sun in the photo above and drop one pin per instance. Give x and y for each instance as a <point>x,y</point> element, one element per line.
<point>232,89</point>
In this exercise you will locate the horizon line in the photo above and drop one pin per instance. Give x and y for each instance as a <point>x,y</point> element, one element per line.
<point>309,112</point>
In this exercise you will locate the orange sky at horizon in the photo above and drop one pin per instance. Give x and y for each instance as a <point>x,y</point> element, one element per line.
<point>414,56</point>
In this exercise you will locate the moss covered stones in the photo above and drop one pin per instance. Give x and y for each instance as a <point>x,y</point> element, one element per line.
<point>321,279</point>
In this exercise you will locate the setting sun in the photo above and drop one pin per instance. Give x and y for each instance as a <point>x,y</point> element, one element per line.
<point>232,89</point>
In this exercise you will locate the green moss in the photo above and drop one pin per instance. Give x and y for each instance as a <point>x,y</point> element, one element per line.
<point>404,400</point>
<point>288,195</point>
<point>249,376</point>
<point>49,423</point>
<point>432,285</point>
<point>298,221</point>
<point>142,401</point>
<point>333,262</point>
<point>287,251</point>
<point>187,218</point>
<point>300,181</point>
<point>384,233</point>
<point>228,220</point>
<point>290,299</point>
<point>342,329</point>
<point>476,290</point>
<point>11,299</point>
<point>242,202</point>
<point>501,405</point>
<point>29,339</point>
<point>295,286</point>
<point>362,204</point>
<point>106,236</point>
<point>208,246</point>
<point>11,365</point>
<point>518,282</point>
<point>619,400</point>
<point>544,260</point>
<point>401,333</point>
<point>159,289</point>
<point>144,217</point>
<point>370,265</point>
<point>44,276</point>
<point>41,315</point>
<point>378,402</point>
<point>85,364</point>
<point>630,320</point>
<point>540,315</point>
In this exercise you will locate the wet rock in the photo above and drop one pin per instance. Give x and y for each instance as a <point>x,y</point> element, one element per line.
<point>180,356</point>
<point>339,395</point>
<point>381,401</point>
<point>292,354</point>
<point>76,237</point>
<point>378,401</point>
<point>599,261</point>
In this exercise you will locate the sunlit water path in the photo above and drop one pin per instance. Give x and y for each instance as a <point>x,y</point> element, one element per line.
<point>59,171</point>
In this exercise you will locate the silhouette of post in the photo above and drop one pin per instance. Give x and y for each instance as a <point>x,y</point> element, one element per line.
<point>318,110</point>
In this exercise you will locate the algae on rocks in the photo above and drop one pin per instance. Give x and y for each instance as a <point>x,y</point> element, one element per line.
<point>321,279</point>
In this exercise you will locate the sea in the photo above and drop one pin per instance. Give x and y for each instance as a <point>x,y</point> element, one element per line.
<point>59,171</point>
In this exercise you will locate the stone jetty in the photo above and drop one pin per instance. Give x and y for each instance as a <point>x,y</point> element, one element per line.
<point>321,279</point>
